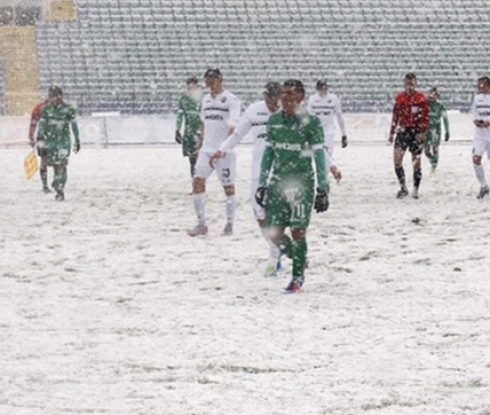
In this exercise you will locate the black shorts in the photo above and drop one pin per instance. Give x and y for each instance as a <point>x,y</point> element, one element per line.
<point>41,149</point>
<point>407,139</point>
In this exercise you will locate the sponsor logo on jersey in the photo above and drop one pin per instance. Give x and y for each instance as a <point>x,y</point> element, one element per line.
<point>288,146</point>
<point>223,100</point>
<point>214,117</point>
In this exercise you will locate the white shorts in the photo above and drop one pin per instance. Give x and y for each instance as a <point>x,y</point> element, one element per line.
<point>259,211</point>
<point>225,167</point>
<point>480,145</point>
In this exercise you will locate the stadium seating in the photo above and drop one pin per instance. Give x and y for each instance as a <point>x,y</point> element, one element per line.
<point>133,56</point>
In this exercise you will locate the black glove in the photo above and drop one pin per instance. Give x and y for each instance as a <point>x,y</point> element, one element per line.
<point>76,147</point>
<point>178,137</point>
<point>344,141</point>
<point>261,196</point>
<point>321,201</point>
<point>446,137</point>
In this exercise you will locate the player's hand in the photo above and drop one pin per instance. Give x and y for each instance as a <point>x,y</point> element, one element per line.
<point>261,196</point>
<point>446,137</point>
<point>391,137</point>
<point>178,137</point>
<point>336,173</point>
<point>217,155</point>
<point>344,141</point>
<point>76,147</point>
<point>32,143</point>
<point>321,201</point>
<point>420,138</point>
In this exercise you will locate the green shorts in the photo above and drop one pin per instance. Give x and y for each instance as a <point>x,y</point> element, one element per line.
<point>432,137</point>
<point>57,152</point>
<point>189,145</point>
<point>289,203</point>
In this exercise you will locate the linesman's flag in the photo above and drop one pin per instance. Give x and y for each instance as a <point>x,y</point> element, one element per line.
<point>30,164</point>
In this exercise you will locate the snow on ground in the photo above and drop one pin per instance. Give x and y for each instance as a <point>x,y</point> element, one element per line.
<point>108,307</point>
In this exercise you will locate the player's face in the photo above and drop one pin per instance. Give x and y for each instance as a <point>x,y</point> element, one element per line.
<point>290,99</point>
<point>55,99</point>
<point>410,85</point>
<point>322,90</point>
<point>483,87</point>
<point>212,82</point>
<point>272,103</point>
<point>431,96</point>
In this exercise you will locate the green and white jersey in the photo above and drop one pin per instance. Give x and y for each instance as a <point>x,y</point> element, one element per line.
<point>189,115</point>
<point>293,140</point>
<point>55,122</point>
<point>436,112</point>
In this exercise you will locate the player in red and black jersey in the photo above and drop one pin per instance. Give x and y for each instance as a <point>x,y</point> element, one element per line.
<point>410,121</point>
<point>35,141</point>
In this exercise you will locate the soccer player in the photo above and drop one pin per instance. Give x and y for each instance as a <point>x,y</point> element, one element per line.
<point>57,118</point>
<point>41,151</point>
<point>287,178</point>
<point>188,114</point>
<point>410,120</point>
<point>433,133</point>
<point>326,106</point>
<point>481,139</point>
<point>220,112</point>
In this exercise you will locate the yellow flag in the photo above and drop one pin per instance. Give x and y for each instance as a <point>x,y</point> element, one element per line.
<point>30,164</point>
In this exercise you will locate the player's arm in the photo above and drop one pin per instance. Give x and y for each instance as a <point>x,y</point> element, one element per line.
<point>76,131</point>
<point>394,121</point>
<point>445,120</point>
<point>32,126</point>
<point>341,122</point>
<point>178,123</point>
<point>235,109</point>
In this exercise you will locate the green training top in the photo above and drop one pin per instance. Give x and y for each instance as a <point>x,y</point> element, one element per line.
<point>188,112</point>
<point>294,141</point>
<point>55,123</point>
<point>436,112</point>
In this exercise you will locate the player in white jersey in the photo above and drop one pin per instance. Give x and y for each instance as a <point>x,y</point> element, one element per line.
<point>326,106</point>
<point>255,120</point>
<point>220,112</point>
<point>481,140</point>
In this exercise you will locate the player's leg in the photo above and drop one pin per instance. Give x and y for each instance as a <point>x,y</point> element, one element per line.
<point>226,171</point>
<point>479,148</point>
<point>435,158</point>
<point>203,171</point>
<point>192,165</point>
<point>300,219</point>
<point>398,153</point>
<point>43,169</point>
<point>59,182</point>
<point>416,151</point>
<point>273,263</point>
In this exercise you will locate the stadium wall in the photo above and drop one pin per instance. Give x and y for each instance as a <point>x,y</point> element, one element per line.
<point>105,131</point>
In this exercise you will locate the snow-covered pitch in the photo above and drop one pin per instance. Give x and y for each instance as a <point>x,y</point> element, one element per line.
<point>107,307</point>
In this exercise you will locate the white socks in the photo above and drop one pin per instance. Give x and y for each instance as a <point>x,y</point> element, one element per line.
<point>199,200</point>
<point>273,248</point>
<point>230,208</point>
<point>480,174</point>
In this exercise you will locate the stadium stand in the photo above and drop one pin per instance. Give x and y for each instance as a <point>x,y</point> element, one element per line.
<point>2,89</point>
<point>133,56</point>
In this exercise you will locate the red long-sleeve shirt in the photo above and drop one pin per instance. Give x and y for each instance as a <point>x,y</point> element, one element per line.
<point>35,117</point>
<point>410,111</point>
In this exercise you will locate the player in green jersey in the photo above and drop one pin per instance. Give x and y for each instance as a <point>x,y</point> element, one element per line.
<point>287,177</point>
<point>188,114</point>
<point>433,134</point>
<point>57,118</point>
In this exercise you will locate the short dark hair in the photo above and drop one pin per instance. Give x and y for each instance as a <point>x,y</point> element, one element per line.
<point>411,76</point>
<point>215,72</point>
<point>321,83</point>
<point>192,80</point>
<point>296,83</point>
<point>55,91</point>
<point>272,89</point>
<point>485,79</point>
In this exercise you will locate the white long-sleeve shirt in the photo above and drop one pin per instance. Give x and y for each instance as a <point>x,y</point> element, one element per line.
<point>255,120</point>
<point>327,108</point>
<point>481,111</point>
